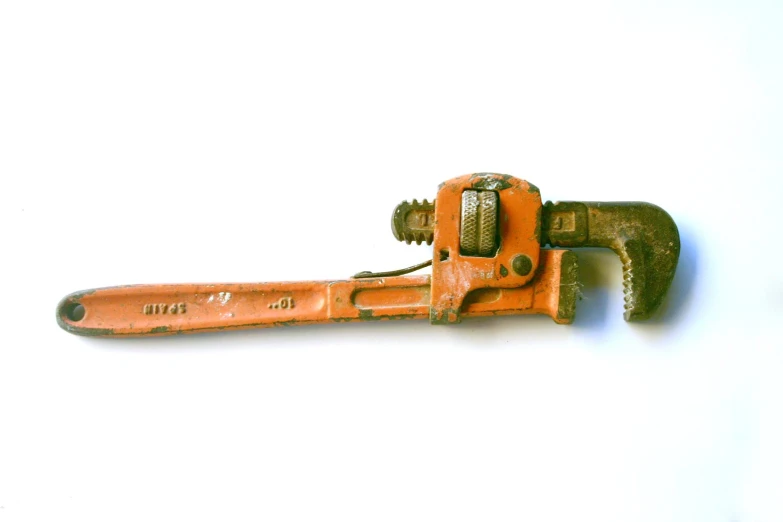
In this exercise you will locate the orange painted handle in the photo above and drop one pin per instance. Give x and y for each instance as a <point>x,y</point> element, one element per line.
<point>147,310</point>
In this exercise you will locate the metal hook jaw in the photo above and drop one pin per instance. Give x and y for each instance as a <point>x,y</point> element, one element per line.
<point>642,234</point>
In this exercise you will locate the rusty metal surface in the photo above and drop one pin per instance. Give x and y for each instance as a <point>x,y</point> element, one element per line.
<point>487,232</point>
<point>643,235</point>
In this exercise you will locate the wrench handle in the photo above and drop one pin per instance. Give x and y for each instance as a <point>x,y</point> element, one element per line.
<point>152,310</point>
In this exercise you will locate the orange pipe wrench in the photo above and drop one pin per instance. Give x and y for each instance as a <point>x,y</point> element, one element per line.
<point>487,232</point>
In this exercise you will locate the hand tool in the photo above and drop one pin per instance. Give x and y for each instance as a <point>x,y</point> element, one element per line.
<point>487,232</point>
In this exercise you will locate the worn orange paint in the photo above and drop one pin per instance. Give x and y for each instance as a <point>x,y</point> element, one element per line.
<point>147,310</point>
<point>460,285</point>
<point>455,275</point>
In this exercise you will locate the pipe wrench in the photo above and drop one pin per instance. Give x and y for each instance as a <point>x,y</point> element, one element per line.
<point>496,250</point>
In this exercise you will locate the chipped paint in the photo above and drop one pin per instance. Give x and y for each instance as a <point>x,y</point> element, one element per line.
<point>643,235</point>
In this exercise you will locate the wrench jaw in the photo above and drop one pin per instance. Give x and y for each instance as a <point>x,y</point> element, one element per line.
<point>649,260</point>
<point>643,235</point>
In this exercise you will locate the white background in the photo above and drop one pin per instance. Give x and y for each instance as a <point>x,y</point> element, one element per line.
<point>163,141</point>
